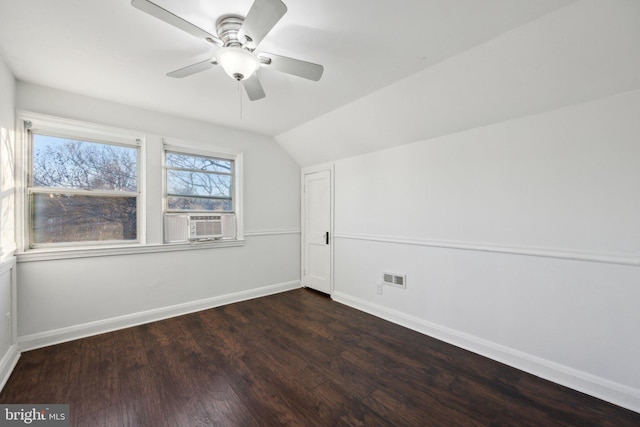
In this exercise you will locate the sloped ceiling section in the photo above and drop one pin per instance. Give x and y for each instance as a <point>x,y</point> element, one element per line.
<point>112,51</point>
<point>587,50</point>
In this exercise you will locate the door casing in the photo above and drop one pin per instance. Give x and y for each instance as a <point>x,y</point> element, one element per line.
<point>304,254</point>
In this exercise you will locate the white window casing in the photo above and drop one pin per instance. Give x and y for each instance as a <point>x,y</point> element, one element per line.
<point>29,123</point>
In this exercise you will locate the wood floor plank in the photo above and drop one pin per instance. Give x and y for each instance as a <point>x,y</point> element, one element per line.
<point>294,358</point>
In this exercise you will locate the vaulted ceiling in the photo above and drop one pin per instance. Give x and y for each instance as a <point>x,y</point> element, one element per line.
<point>110,50</point>
<point>395,72</point>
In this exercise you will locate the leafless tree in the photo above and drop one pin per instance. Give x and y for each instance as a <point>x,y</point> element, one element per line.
<point>199,183</point>
<point>78,165</point>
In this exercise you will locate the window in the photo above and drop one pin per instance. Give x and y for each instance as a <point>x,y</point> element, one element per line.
<point>81,190</point>
<point>84,192</point>
<point>196,183</point>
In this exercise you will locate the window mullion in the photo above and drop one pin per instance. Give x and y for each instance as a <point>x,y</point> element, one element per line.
<point>199,171</point>
<point>200,196</point>
<point>83,192</point>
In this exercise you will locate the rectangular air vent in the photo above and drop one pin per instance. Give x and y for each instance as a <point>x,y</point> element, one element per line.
<point>397,280</point>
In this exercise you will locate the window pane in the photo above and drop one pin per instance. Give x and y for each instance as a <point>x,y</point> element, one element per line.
<point>198,184</point>
<point>185,161</point>
<point>69,163</point>
<point>199,204</point>
<point>78,218</point>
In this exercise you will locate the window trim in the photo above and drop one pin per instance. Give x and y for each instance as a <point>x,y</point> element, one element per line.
<point>30,123</point>
<point>147,169</point>
<point>238,164</point>
<point>165,189</point>
<point>117,250</point>
<point>33,189</point>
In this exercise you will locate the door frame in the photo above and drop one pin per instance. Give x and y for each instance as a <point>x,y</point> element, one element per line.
<point>330,167</point>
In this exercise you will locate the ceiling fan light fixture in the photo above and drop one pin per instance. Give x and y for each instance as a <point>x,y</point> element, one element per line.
<point>237,62</point>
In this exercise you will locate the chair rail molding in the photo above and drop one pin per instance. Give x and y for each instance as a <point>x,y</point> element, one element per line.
<point>609,258</point>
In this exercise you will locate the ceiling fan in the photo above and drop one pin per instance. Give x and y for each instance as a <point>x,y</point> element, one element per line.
<point>237,38</point>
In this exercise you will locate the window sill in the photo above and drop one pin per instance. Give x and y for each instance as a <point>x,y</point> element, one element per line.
<point>97,251</point>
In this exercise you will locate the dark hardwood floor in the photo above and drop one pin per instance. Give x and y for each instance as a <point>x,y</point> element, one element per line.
<point>296,359</point>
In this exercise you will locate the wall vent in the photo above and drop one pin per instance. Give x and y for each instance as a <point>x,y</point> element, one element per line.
<point>397,280</point>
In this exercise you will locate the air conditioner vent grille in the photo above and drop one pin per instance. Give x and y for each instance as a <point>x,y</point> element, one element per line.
<point>208,228</point>
<point>205,226</point>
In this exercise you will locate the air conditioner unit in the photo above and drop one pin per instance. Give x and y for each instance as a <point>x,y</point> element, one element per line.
<point>194,227</point>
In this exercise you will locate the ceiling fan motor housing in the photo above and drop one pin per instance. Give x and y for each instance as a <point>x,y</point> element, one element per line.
<point>227,27</point>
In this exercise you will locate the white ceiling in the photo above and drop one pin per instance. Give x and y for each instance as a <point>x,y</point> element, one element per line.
<point>585,51</point>
<point>109,50</point>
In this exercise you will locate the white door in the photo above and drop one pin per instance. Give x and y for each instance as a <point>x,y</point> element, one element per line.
<point>317,239</point>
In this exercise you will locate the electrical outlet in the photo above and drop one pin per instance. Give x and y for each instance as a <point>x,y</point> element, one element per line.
<point>8,323</point>
<point>379,288</point>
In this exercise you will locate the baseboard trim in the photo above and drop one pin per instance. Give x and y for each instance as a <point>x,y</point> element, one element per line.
<point>618,394</point>
<point>57,336</point>
<point>7,363</point>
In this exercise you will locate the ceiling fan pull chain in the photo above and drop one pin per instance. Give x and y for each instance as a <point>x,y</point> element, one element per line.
<point>240,94</point>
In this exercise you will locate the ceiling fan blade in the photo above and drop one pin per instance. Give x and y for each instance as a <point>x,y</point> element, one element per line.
<point>192,69</point>
<point>253,87</point>
<point>261,18</point>
<point>172,19</point>
<point>297,67</point>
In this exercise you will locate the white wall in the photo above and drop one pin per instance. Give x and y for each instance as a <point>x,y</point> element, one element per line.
<point>7,123</point>
<point>61,299</point>
<point>520,240</point>
<point>504,181</point>
<point>8,349</point>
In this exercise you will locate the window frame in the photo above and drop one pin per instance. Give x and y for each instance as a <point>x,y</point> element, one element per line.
<point>31,124</point>
<point>237,158</point>
<point>216,156</point>
<point>150,207</point>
